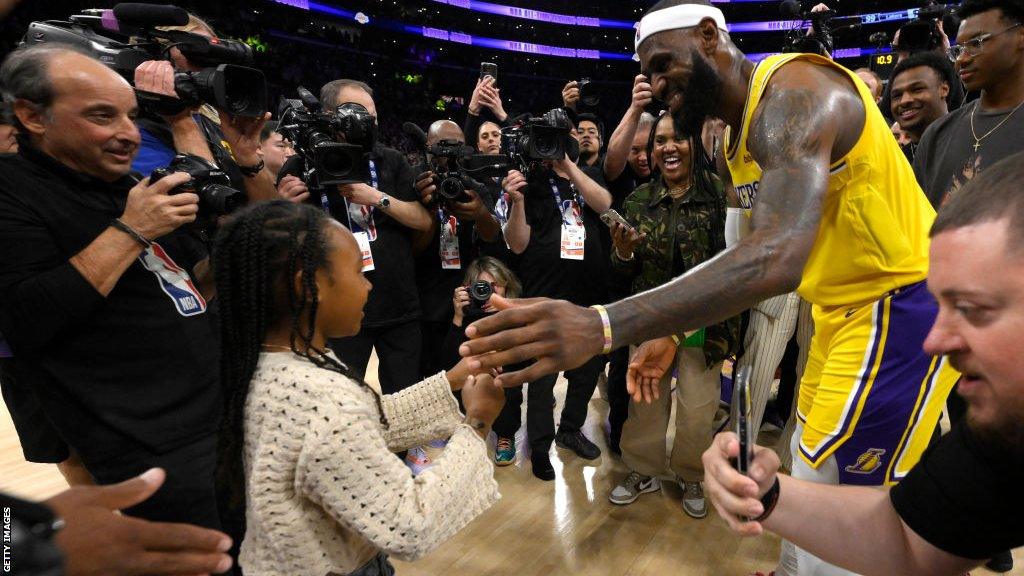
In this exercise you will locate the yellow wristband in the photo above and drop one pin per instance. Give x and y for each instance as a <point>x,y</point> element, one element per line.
<point>676,339</point>
<point>607,324</point>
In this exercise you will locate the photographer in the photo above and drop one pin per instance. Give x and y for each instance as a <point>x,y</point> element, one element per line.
<point>231,142</point>
<point>97,295</point>
<point>382,215</point>
<point>550,219</point>
<point>275,151</point>
<point>460,225</point>
<point>485,116</point>
<point>486,276</point>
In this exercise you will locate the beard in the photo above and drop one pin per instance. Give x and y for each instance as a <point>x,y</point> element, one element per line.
<point>700,98</point>
<point>1005,436</point>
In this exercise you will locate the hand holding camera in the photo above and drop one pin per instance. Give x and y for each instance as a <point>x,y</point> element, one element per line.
<point>643,95</point>
<point>153,212</point>
<point>293,188</point>
<point>626,239</point>
<point>513,184</point>
<point>426,186</point>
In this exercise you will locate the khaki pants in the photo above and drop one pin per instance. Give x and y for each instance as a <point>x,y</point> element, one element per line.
<point>645,434</point>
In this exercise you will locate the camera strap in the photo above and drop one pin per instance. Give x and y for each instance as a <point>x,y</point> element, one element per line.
<point>362,227</point>
<point>573,232</point>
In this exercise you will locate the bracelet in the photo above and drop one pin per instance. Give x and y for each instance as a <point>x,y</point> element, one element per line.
<point>250,171</point>
<point>768,501</point>
<point>120,225</point>
<point>607,324</point>
<point>676,339</point>
<point>621,257</point>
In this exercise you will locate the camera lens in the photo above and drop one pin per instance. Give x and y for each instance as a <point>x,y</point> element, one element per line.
<point>481,292</point>
<point>451,188</point>
<point>220,200</point>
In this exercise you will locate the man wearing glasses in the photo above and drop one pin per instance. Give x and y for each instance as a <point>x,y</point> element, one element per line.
<point>989,56</point>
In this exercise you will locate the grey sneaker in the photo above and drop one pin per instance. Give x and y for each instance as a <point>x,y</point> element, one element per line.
<point>694,503</point>
<point>632,487</point>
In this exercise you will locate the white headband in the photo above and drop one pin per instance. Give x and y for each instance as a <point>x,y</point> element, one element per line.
<point>682,16</point>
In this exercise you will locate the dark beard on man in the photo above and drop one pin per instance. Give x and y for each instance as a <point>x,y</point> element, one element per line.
<point>700,97</point>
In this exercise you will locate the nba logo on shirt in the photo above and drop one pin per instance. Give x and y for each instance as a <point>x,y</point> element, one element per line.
<point>174,281</point>
<point>361,217</point>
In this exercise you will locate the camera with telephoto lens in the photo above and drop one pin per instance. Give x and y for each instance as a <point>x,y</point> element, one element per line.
<point>127,35</point>
<point>216,196</point>
<point>534,140</point>
<point>922,34</point>
<point>331,149</point>
<point>479,293</point>
<point>589,95</point>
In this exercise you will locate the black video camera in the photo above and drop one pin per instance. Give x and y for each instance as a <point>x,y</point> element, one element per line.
<point>331,149</point>
<point>127,36</point>
<point>452,180</point>
<point>479,293</point>
<point>537,139</point>
<point>216,196</point>
<point>819,41</point>
<point>922,34</point>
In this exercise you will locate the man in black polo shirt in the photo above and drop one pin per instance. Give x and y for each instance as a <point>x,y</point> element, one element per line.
<point>458,228</point>
<point>383,215</point>
<point>550,219</point>
<point>97,299</point>
<point>961,504</point>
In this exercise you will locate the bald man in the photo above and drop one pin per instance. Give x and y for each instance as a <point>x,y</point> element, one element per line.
<point>460,226</point>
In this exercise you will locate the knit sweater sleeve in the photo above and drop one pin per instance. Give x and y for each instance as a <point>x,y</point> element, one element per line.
<point>347,468</point>
<point>421,413</point>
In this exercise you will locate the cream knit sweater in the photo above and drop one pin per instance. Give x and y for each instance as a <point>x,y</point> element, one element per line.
<point>325,493</point>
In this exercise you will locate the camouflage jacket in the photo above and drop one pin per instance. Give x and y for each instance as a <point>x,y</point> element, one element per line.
<point>680,235</point>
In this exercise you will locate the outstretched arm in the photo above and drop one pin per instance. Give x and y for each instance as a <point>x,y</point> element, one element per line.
<point>792,136</point>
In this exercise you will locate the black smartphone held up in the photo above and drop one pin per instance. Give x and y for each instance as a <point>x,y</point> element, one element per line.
<point>489,69</point>
<point>741,404</point>
<point>611,216</point>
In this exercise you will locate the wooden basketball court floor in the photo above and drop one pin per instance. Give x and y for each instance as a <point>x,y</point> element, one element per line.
<point>565,527</point>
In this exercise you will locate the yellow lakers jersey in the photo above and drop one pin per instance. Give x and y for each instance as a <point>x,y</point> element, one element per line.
<point>873,235</point>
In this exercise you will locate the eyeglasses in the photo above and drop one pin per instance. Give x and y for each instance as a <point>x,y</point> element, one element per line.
<point>974,46</point>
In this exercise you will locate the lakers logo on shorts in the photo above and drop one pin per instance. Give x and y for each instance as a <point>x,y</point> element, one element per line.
<point>867,462</point>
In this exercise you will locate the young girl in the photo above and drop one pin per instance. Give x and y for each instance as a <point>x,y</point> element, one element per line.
<point>325,495</point>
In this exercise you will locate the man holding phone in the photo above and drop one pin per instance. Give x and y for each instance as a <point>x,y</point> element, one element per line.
<point>961,503</point>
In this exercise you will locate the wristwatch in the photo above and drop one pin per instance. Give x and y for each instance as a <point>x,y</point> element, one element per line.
<point>385,201</point>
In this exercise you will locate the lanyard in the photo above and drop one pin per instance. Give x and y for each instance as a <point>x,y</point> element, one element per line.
<point>558,200</point>
<point>369,209</point>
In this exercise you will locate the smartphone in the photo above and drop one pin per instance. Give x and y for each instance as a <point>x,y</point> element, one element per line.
<point>611,216</point>
<point>489,69</point>
<point>741,404</point>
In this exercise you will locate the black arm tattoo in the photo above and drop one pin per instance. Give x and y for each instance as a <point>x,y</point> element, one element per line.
<point>791,137</point>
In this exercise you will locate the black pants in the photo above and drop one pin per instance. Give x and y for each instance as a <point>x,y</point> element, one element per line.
<point>618,397</point>
<point>398,349</point>
<point>40,441</point>
<point>188,493</point>
<point>540,422</point>
<point>511,416</point>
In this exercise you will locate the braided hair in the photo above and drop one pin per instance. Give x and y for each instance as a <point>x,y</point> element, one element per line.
<point>257,254</point>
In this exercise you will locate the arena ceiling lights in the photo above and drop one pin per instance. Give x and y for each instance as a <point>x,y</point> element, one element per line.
<point>565,52</point>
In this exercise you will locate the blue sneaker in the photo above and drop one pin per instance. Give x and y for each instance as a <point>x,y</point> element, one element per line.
<point>505,451</point>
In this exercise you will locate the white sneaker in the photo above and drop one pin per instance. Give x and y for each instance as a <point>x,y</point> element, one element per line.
<point>694,503</point>
<point>632,487</point>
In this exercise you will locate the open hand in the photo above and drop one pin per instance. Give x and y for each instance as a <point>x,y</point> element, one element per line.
<point>647,366</point>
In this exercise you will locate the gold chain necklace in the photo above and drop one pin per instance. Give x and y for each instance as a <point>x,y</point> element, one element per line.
<point>977,141</point>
